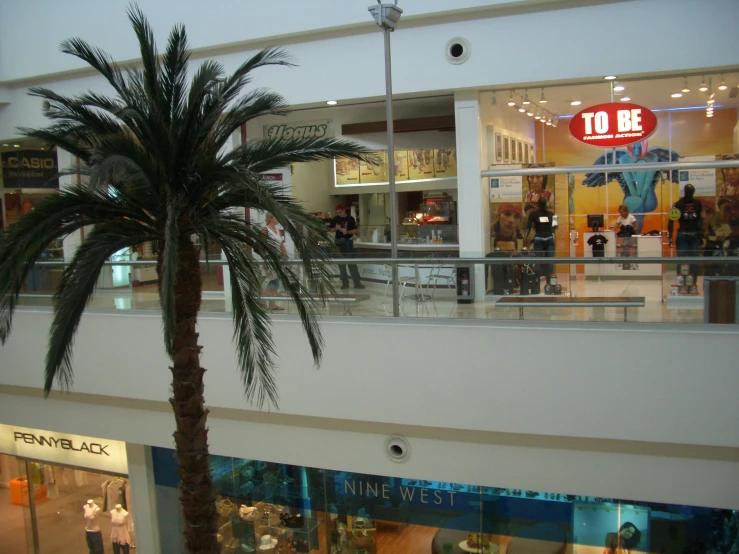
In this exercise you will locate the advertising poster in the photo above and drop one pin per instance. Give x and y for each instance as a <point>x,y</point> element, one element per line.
<point>538,186</point>
<point>347,171</point>
<point>727,180</point>
<point>505,189</point>
<point>374,172</point>
<point>420,164</point>
<point>400,165</point>
<point>445,162</point>
<point>704,180</point>
<point>507,222</point>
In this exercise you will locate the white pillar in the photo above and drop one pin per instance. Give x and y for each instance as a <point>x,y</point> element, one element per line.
<point>72,242</point>
<point>143,498</point>
<point>473,213</point>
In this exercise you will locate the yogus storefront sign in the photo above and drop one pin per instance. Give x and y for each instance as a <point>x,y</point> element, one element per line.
<point>286,132</point>
<point>613,124</point>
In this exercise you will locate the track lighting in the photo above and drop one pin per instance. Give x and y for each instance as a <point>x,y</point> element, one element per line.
<point>511,101</point>
<point>526,100</point>
<point>722,86</point>
<point>522,110</point>
<point>543,99</point>
<point>619,88</point>
<point>703,87</point>
<point>625,99</point>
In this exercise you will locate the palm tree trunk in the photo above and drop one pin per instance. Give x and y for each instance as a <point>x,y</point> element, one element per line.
<point>196,488</point>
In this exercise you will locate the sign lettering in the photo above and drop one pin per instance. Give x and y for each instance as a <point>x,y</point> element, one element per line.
<point>30,169</point>
<point>613,124</point>
<point>284,132</point>
<point>407,494</point>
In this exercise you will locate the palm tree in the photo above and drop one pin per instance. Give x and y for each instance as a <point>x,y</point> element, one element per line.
<point>155,170</point>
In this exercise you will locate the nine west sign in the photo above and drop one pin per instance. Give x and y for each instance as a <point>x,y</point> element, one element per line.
<point>63,448</point>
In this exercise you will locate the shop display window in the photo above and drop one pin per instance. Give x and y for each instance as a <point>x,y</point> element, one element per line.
<point>48,508</point>
<point>278,508</point>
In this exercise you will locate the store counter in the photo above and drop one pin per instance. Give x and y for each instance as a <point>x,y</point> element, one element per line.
<point>647,246</point>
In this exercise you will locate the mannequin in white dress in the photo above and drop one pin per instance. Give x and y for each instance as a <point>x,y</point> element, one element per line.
<point>91,511</point>
<point>119,533</point>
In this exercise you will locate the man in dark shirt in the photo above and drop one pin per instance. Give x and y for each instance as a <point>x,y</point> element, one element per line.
<point>691,225</point>
<point>345,228</point>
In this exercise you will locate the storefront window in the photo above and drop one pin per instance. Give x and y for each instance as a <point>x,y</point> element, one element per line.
<point>277,508</point>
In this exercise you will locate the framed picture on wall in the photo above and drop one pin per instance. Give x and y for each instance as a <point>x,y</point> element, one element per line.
<point>498,148</point>
<point>525,153</point>
<point>532,157</point>
<point>514,159</point>
<point>506,150</point>
<point>520,151</point>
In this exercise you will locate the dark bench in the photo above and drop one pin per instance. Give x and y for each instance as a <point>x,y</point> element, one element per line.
<point>522,302</point>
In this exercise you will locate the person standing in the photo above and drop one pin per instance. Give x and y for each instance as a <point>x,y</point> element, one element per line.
<point>627,228</point>
<point>345,228</point>
<point>544,224</point>
<point>691,225</point>
<point>272,285</point>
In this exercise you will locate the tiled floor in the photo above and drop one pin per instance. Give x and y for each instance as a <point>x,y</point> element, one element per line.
<point>444,304</point>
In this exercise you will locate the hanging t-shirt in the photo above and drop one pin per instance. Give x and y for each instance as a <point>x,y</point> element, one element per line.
<point>598,244</point>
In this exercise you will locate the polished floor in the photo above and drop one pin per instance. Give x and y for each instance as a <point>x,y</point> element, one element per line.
<point>376,301</point>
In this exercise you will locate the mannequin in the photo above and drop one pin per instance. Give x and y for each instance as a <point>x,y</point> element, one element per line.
<point>691,227</point>
<point>119,532</point>
<point>91,511</point>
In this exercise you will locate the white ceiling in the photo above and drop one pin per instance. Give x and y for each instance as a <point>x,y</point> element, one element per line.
<point>650,93</point>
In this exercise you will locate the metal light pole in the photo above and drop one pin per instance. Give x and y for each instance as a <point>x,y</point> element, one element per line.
<point>387,17</point>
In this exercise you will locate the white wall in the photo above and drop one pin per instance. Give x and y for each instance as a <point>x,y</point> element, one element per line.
<point>611,400</point>
<point>515,47</point>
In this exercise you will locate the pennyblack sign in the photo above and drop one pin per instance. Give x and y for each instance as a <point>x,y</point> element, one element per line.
<point>62,448</point>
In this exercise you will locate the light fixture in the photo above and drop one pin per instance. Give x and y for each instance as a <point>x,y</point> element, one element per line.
<point>685,86</point>
<point>722,86</point>
<point>530,113</point>
<point>703,87</point>
<point>549,122</point>
<point>619,88</point>
<point>677,95</point>
<point>610,77</point>
<point>16,146</point>
<point>332,102</point>
<point>521,110</point>
<point>543,99</point>
<point>625,99</point>
<point>526,100</point>
<point>6,145</point>
<point>555,121</point>
<point>538,115</point>
<point>709,114</point>
<point>511,102</point>
<point>495,101</point>
<point>575,103</point>
<point>710,101</point>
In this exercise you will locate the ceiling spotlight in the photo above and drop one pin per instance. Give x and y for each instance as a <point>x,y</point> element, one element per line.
<point>538,115</point>
<point>609,77</point>
<point>685,86</point>
<point>625,99</point>
<point>575,103</point>
<point>710,101</point>
<point>530,113</point>
<point>332,102</point>
<point>526,100</point>
<point>677,95</point>
<point>709,114</point>
<point>16,146</point>
<point>722,86</point>
<point>549,121</point>
<point>555,121</point>
<point>619,88</point>
<point>6,145</point>
<point>511,102</point>
<point>703,87</point>
<point>543,99</point>
<point>521,110</point>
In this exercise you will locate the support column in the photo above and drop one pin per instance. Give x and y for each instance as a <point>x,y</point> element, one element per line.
<point>143,498</point>
<point>473,213</point>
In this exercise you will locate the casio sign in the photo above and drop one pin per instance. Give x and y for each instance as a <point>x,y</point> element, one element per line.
<point>613,124</point>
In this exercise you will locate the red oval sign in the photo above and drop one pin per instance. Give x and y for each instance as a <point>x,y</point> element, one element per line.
<point>613,124</point>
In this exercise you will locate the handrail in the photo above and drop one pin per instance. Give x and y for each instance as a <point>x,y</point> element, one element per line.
<point>713,260</point>
<point>610,168</point>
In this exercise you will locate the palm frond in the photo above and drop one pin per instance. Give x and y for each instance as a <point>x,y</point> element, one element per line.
<point>75,290</point>
<point>174,74</point>
<point>149,58</point>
